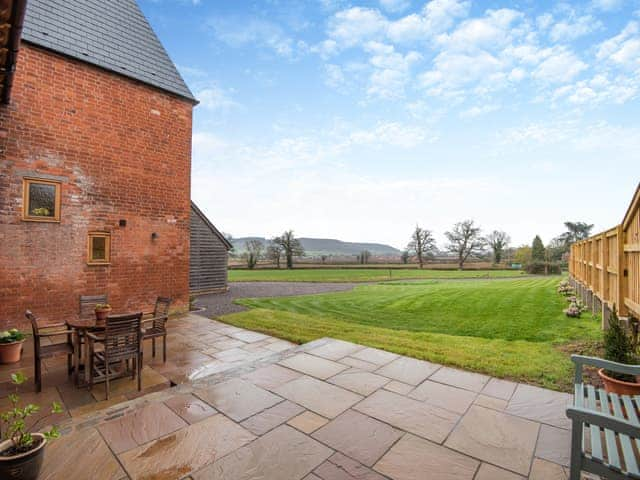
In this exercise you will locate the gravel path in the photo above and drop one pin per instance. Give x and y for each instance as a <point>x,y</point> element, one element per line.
<point>222,303</point>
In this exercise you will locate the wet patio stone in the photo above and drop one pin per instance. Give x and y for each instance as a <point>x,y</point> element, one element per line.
<point>308,422</point>
<point>364,383</point>
<point>554,444</point>
<point>411,415</point>
<point>80,455</point>
<point>544,470</point>
<point>335,349</point>
<point>311,365</point>
<point>271,376</point>
<point>374,355</point>
<point>498,388</point>
<point>186,450</point>
<point>413,458</point>
<point>489,472</point>
<point>408,370</point>
<point>238,399</point>
<point>324,399</point>
<point>460,378</point>
<point>282,454</point>
<point>496,438</point>
<point>444,396</point>
<point>541,405</point>
<point>123,386</point>
<point>358,436</point>
<point>190,408</point>
<point>262,422</point>
<point>340,467</point>
<point>249,337</point>
<point>140,426</point>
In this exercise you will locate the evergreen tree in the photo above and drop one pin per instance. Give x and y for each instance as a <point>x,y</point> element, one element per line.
<point>537,250</point>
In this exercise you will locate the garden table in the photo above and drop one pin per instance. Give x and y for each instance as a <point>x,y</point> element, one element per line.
<point>81,326</point>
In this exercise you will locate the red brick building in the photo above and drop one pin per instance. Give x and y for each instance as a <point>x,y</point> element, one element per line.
<point>95,161</point>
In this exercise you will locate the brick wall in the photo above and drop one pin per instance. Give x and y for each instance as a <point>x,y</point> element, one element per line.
<point>122,150</point>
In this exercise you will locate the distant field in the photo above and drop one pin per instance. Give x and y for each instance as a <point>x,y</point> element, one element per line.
<point>510,329</point>
<point>360,274</point>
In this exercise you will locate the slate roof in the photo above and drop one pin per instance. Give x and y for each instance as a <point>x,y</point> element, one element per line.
<point>112,34</point>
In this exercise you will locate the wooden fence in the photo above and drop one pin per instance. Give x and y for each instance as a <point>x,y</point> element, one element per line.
<point>605,268</point>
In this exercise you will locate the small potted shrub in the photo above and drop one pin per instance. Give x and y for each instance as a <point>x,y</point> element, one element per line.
<point>102,311</point>
<point>619,347</point>
<point>11,345</point>
<point>575,309</point>
<point>21,451</point>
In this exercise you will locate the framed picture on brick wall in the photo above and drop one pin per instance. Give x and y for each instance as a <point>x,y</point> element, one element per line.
<point>41,200</point>
<point>99,248</point>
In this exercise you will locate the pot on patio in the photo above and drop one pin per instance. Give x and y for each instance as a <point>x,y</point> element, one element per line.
<point>11,345</point>
<point>23,465</point>
<point>102,312</point>
<point>621,387</point>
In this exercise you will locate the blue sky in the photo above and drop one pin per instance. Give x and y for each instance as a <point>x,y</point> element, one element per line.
<point>357,120</point>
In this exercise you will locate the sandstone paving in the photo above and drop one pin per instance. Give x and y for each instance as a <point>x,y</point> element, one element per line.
<point>308,422</point>
<point>498,388</point>
<point>414,458</point>
<point>544,470</point>
<point>491,472</point>
<point>444,396</point>
<point>399,387</point>
<point>413,416</point>
<point>375,356</point>
<point>190,408</point>
<point>491,402</point>
<point>358,436</point>
<point>271,376</point>
<point>408,370</point>
<point>335,349</point>
<point>272,417</point>
<point>238,399</point>
<point>497,438</point>
<point>539,404</point>
<point>320,397</point>
<point>359,364</point>
<point>461,379</point>
<point>554,444</point>
<point>315,366</point>
<point>364,383</point>
<point>341,467</point>
<point>282,454</point>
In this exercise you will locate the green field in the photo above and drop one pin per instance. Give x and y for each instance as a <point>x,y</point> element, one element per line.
<point>359,274</point>
<point>509,328</point>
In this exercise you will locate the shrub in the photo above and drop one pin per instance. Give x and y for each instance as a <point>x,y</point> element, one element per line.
<point>541,268</point>
<point>10,336</point>
<point>619,346</point>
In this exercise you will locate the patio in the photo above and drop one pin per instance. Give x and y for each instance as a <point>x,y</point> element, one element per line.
<point>249,406</point>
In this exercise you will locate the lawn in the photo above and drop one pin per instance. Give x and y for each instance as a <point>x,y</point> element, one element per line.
<point>510,328</point>
<point>359,274</point>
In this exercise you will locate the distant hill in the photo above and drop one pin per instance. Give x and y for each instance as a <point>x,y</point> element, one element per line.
<point>315,247</point>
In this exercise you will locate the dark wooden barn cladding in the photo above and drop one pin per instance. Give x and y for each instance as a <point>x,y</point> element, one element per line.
<point>208,255</point>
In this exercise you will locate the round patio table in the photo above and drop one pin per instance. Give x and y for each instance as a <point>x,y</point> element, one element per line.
<point>81,326</point>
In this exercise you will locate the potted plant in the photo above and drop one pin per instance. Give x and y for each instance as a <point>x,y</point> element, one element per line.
<point>102,311</point>
<point>21,451</point>
<point>619,347</point>
<point>11,345</point>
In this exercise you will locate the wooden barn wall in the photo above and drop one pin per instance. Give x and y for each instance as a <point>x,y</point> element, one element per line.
<point>208,258</point>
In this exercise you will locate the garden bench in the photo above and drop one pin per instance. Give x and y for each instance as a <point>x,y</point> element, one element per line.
<point>605,432</point>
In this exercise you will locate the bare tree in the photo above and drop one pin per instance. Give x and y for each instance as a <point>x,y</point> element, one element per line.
<point>364,256</point>
<point>422,244</point>
<point>465,240</point>
<point>274,253</point>
<point>404,256</point>
<point>498,241</point>
<point>254,252</point>
<point>291,246</point>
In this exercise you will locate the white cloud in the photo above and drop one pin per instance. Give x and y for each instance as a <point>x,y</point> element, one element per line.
<point>561,65</point>
<point>394,134</point>
<point>395,6</point>
<point>622,49</point>
<point>239,32</point>
<point>600,89</point>
<point>334,77</point>
<point>607,5</point>
<point>572,28</point>
<point>215,98</point>
<point>356,25</point>
<point>437,16</point>
<point>479,110</point>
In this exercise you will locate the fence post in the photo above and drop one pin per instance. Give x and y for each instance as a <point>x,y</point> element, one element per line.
<point>622,279</point>
<point>604,281</point>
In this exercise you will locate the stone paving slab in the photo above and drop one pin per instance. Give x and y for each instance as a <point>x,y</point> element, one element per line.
<point>408,370</point>
<point>255,418</point>
<point>314,366</point>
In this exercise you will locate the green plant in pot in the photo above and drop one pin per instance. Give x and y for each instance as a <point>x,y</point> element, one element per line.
<point>21,451</point>
<point>102,311</point>
<point>11,345</point>
<point>620,347</point>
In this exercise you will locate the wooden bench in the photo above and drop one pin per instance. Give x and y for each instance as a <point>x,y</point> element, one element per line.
<point>605,432</point>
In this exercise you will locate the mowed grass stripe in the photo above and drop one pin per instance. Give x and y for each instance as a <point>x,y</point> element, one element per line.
<point>332,275</point>
<point>510,328</point>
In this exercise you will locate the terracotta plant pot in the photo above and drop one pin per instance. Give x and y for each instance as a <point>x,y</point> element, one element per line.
<point>11,352</point>
<point>620,387</point>
<point>24,466</point>
<point>102,314</point>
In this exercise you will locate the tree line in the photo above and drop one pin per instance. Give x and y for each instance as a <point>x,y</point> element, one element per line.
<point>285,246</point>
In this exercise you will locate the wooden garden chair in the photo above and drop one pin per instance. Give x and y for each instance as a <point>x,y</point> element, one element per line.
<point>51,350</point>
<point>120,342</point>
<point>88,305</point>
<point>605,431</point>
<point>156,325</point>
